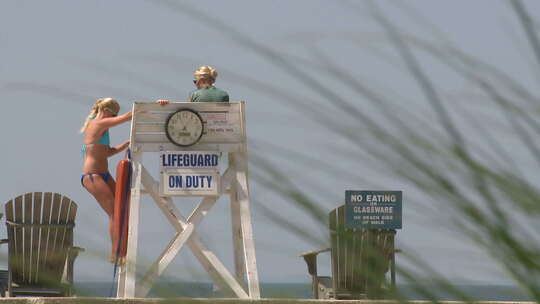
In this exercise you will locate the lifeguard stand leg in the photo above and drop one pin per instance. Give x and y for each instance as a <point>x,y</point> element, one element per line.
<point>238,244</point>
<point>242,195</point>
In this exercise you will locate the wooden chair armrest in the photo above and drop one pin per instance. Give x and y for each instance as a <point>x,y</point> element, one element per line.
<point>74,252</point>
<point>314,252</point>
<point>78,249</point>
<point>4,241</point>
<point>311,259</point>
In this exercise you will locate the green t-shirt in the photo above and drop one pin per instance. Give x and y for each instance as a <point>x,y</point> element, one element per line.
<point>209,94</point>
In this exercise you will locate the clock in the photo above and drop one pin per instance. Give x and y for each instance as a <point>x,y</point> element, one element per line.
<point>184,127</point>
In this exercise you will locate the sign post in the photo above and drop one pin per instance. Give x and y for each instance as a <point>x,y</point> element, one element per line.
<point>192,170</point>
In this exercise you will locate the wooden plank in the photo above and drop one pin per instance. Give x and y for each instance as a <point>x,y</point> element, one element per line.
<point>242,110</point>
<point>217,271</point>
<point>9,211</point>
<point>158,124</point>
<point>237,236</point>
<point>160,137</point>
<point>344,250</point>
<point>63,219</point>
<point>393,267</point>
<point>348,246</point>
<point>27,238</point>
<point>51,264</point>
<point>69,241</point>
<point>163,261</point>
<point>202,209</point>
<point>242,190</point>
<point>240,264</point>
<point>61,247</point>
<point>236,207</point>
<point>352,253</point>
<point>152,117</point>
<point>44,237</point>
<point>364,255</point>
<point>8,207</point>
<point>371,261</point>
<point>167,146</point>
<point>238,247</point>
<point>334,238</point>
<point>17,269</point>
<point>36,218</point>
<point>11,241</point>
<point>339,254</point>
<point>174,246</point>
<point>226,181</point>
<point>153,112</point>
<point>71,220</point>
<point>356,261</point>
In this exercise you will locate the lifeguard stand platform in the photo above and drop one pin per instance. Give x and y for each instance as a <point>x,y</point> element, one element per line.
<point>223,132</point>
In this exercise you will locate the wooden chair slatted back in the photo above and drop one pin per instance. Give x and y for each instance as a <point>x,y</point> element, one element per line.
<point>36,214</point>
<point>27,237</point>
<point>360,257</point>
<point>44,233</point>
<point>10,232</point>
<point>37,251</point>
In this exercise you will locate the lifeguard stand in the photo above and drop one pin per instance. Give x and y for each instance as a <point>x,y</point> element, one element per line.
<point>224,132</point>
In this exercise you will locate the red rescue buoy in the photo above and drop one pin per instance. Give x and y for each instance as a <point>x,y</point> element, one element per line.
<point>121,207</point>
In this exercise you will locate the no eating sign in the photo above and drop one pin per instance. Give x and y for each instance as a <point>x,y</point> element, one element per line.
<point>373,209</point>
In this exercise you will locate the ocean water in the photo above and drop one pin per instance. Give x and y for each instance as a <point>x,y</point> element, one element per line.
<point>172,289</point>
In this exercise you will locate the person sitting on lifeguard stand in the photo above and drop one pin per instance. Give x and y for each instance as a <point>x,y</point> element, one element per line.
<point>204,78</point>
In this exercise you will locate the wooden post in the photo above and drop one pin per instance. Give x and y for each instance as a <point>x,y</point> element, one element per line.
<point>242,193</point>
<point>393,269</point>
<point>238,248</point>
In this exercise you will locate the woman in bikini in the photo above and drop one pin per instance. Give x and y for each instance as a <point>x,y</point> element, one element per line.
<point>96,177</point>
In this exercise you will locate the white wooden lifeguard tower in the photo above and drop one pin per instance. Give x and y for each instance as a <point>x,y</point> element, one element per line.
<point>155,129</point>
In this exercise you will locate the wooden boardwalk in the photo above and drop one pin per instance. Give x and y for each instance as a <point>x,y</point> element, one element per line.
<point>89,300</point>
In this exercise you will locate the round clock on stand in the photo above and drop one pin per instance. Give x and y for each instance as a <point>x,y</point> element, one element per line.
<point>184,127</point>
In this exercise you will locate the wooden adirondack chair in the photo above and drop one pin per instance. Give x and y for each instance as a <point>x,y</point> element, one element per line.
<point>40,244</point>
<point>360,260</point>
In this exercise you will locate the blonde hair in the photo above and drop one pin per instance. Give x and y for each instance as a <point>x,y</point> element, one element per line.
<point>206,72</point>
<point>101,104</point>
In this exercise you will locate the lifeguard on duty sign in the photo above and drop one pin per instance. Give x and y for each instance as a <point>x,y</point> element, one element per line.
<point>373,209</point>
<point>189,173</point>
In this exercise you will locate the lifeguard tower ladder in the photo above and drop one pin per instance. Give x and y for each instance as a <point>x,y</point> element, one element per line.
<point>224,132</point>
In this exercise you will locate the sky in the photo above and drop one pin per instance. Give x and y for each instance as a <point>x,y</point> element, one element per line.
<point>58,57</point>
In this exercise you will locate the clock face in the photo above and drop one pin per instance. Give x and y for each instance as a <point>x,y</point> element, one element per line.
<point>184,127</point>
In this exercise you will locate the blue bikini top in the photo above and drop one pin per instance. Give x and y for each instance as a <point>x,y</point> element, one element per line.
<point>103,140</point>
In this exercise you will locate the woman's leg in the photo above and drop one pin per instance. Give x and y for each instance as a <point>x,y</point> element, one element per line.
<point>112,184</point>
<point>116,239</point>
<point>105,197</point>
